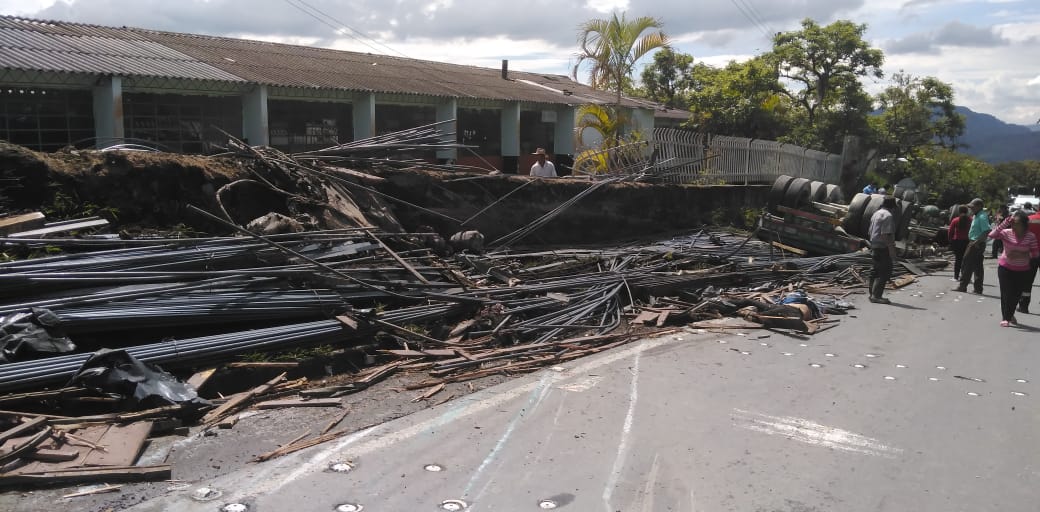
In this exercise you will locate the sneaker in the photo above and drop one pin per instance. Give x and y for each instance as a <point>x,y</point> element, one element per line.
<point>880,300</point>
<point>955,279</point>
<point>1004,323</point>
<point>1013,320</point>
<point>961,289</point>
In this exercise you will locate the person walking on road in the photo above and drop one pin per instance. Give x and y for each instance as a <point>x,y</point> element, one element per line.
<point>1015,263</point>
<point>976,249</point>
<point>958,234</point>
<point>882,249</point>
<point>998,245</point>
<point>1027,296</point>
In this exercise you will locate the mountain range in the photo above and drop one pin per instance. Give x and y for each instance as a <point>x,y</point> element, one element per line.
<point>994,141</point>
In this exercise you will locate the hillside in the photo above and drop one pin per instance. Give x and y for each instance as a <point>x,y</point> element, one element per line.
<point>995,141</point>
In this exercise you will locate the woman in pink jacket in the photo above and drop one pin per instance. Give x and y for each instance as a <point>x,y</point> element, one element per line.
<point>1020,247</point>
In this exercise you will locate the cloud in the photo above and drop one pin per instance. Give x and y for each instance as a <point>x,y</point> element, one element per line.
<point>953,33</point>
<point>956,33</point>
<point>549,20</point>
<point>916,43</point>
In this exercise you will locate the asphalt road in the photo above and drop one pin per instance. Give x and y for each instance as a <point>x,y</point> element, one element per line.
<point>923,405</point>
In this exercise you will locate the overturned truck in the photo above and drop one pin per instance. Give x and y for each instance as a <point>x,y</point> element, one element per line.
<point>811,217</point>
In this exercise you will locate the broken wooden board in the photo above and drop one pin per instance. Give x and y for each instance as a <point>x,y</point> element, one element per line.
<point>903,281</point>
<point>61,227</point>
<point>24,222</point>
<point>200,378</point>
<point>122,444</point>
<point>313,402</point>
<point>85,475</point>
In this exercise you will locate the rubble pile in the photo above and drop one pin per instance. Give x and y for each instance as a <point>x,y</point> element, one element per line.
<point>106,339</point>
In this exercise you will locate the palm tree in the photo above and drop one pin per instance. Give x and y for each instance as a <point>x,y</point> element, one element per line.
<point>613,46</point>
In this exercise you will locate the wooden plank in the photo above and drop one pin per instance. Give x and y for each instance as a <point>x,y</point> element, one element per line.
<point>442,352</point>
<point>461,328</point>
<point>22,429</point>
<point>399,260</point>
<point>240,399</point>
<point>788,248</point>
<point>35,396</point>
<point>24,222</point>
<point>52,455</point>
<point>314,402</point>
<point>85,475</point>
<point>123,444</point>
<point>23,446</point>
<point>914,269</point>
<point>201,377</point>
<point>903,281</point>
<point>35,233</point>
<point>286,365</point>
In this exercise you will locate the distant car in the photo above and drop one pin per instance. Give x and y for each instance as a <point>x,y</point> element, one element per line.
<point>1019,202</point>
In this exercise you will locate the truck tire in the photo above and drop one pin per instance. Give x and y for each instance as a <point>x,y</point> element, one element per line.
<point>872,207</point>
<point>907,211</point>
<point>852,219</point>
<point>797,195</point>
<point>833,194</point>
<point>776,194</point>
<point>818,191</point>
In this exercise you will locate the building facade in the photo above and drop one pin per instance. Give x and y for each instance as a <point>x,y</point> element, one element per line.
<point>67,84</point>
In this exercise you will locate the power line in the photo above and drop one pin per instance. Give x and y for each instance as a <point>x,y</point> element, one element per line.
<point>339,30</point>
<point>755,13</point>
<point>751,18</point>
<point>336,29</point>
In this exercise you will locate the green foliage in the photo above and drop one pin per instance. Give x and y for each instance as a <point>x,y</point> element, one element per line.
<point>742,99</point>
<point>292,355</point>
<point>611,47</point>
<point>823,64</point>
<point>916,113</point>
<point>667,79</point>
<point>64,206</point>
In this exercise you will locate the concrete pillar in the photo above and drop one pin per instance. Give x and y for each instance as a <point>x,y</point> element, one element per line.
<point>563,133</point>
<point>365,116</point>
<point>255,126</point>
<point>108,112</point>
<point>448,110</point>
<point>510,137</point>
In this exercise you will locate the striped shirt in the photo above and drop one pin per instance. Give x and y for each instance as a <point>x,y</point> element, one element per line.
<point>1017,251</point>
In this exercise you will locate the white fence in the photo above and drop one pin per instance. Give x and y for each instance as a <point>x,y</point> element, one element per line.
<point>681,156</point>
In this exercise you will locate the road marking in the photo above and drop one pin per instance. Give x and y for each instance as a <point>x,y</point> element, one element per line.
<point>582,385</point>
<point>626,429</point>
<point>537,395</point>
<point>809,432</point>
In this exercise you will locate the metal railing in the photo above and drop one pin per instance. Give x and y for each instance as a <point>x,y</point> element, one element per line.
<point>683,156</point>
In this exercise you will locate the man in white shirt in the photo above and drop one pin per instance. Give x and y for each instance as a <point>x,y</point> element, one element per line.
<point>543,168</point>
<point>882,248</point>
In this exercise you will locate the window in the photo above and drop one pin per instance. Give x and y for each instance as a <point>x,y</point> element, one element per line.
<point>45,119</point>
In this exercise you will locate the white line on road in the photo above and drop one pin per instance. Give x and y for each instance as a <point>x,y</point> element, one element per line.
<point>808,432</point>
<point>626,429</point>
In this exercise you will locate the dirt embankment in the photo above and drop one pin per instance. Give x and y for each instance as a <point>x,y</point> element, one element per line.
<point>152,190</point>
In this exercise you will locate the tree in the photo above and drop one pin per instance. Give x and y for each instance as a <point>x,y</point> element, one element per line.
<point>667,79</point>
<point>823,66</point>
<point>611,48</point>
<point>915,113</point>
<point>742,99</point>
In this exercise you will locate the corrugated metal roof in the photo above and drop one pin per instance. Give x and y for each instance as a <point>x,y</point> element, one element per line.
<point>70,47</point>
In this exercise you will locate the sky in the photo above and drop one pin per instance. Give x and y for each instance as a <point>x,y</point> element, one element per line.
<point>986,49</point>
